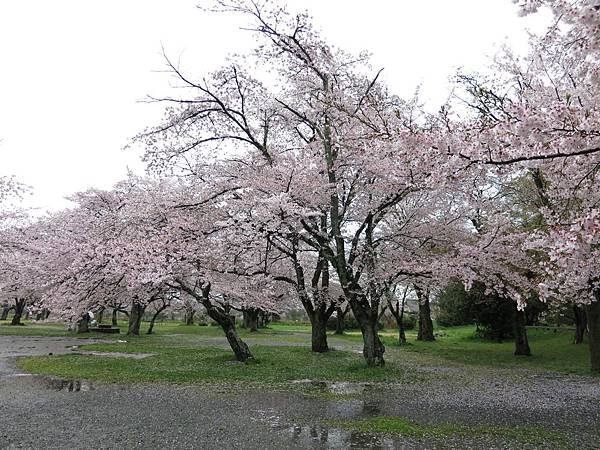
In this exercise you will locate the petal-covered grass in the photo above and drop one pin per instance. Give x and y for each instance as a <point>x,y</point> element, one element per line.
<point>272,364</point>
<point>183,345</point>
<point>523,436</point>
<point>551,350</point>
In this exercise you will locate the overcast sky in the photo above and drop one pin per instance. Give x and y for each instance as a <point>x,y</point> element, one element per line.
<point>73,72</point>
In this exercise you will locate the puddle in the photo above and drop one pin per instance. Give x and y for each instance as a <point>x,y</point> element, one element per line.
<point>56,384</point>
<point>325,436</point>
<point>322,436</point>
<point>336,387</point>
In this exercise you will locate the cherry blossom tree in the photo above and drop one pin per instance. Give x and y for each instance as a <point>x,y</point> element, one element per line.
<point>328,152</point>
<point>539,117</point>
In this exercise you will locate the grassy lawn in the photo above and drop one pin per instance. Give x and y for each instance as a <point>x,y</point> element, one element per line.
<point>550,351</point>
<point>34,329</point>
<point>210,364</point>
<point>30,328</point>
<point>522,436</point>
<point>459,345</point>
<point>183,355</point>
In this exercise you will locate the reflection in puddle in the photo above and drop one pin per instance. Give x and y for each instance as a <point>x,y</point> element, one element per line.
<point>321,436</point>
<point>68,385</point>
<point>337,387</point>
<point>354,402</point>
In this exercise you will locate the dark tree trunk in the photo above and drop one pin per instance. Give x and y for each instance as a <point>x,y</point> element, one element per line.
<point>5,310</point>
<point>42,315</point>
<point>318,322</point>
<point>397,309</point>
<point>401,333</point>
<point>100,315</point>
<point>373,348</point>
<point>239,347</point>
<point>521,342</point>
<point>154,317</point>
<point>250,319</point>
<point>135,319</point>
<point>580,323</point>
<point>114,322</point>
<point>593,320</point>
<point>425,332</point>
<point>83,324</point>
<point>19,308</point>
<point>400,323</point>
<point>226,321</point>
<point>189,317</point>
<point>340,322</point>
<point>263,319</point>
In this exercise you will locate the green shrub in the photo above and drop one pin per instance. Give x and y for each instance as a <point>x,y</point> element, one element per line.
<point>409,320</point>
<point>454,306</point>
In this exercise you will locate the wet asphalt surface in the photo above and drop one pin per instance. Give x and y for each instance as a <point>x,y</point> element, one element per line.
<point>41,412</point>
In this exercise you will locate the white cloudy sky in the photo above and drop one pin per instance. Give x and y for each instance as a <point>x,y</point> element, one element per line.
<point>73,72</point>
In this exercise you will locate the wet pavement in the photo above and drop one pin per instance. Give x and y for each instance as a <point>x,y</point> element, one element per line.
<point>43,412</point>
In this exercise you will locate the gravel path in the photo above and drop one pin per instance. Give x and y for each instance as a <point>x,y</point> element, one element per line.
<point>40,412</point>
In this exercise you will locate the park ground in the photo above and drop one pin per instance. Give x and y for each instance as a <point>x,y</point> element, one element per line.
<point>182,388</point>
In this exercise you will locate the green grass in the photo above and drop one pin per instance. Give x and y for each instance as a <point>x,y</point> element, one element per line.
<point>397,425</point>
<point>210,364</point>
<point>42,329</point>
<point>456,346</point>
<point>550,351</point>
<point>30,328</point>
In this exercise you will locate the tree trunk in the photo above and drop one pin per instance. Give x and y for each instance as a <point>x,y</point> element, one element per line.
<point>189,317</point>
<point>5,310</point>
<point>83,324</point>
<point>19,308</point>
<point>154,317</point>
<point>401,333</point>
<point>263,319</point>
<point>226,321</point>
<point>43,314</point>
<point>239,347</point>
<point>250,319</point>
<point>318,322</point>
<point>114,317</point>
<point>593,320</point>
<point>340,323</point>
<point>425,323</point>
<point>373,349</point>
<point>580,323</point>
<point>100,315</point>
<point>135,319</point>
<point>521,343</point>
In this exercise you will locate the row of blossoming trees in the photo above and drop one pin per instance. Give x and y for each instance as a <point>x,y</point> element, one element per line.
<point>294,175</point>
